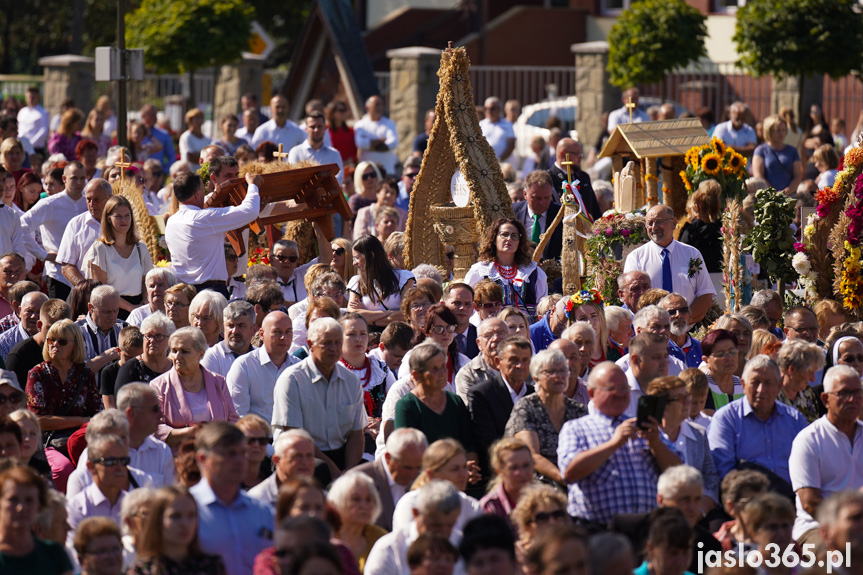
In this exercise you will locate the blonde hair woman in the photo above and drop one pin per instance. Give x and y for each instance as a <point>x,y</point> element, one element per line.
<point>343,261</point>
<point>540,507</point>
<point>513,468</point>
<point>118,257</point>
<point>444,459</point>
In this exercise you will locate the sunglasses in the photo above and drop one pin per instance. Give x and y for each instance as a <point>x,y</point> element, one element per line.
<point>282,553</point>
<point>442,329</point>
<point>61,342</point>
<point>450,255</point>
<point>339,252</point>
<point>412,175</point>
<point>262,441</point>
<point>369,176</point>
<point>283,259</point>
<point>14,398</point>
<point>111,461</point>
<point>543,516</point>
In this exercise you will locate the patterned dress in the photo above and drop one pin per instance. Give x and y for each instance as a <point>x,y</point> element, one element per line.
<point>47,395</point>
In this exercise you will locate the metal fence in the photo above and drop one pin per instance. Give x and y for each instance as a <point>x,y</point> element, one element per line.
<point>527,84</point>
<point>843,98</point>
<point>15,85</point>
<point>716,86</point>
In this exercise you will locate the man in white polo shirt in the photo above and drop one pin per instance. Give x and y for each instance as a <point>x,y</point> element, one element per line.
<point>825,457</point>
<point>314,148</point>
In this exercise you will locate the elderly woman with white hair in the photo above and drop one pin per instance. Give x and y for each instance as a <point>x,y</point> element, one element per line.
<point>798,362</point>
<point>153,362</point>
<point>156,283</point>
<point>536,419</point>
<point>205,313</point>
<point>133,516</point>
<point>188,393</point>
<point>356,498</point>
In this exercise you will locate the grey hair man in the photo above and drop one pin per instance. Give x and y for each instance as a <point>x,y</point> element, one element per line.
<point>841,519</point>
<point>83,230</point>
<point>238,321</point>
<point>101,328</point>
<point>482,368</point>
<point>436,510</point>
<point>294,458</point>
<point>156,282</point>
<point>394,473</point>
<point>654,319</point>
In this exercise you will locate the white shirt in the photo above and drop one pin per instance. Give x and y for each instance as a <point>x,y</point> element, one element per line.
<point>392,301</point>
<point>675,366</point>
<point>192,143</point>
<point>12,238</point>
<point>384,129</point>
<point>79,235</point>
<point>323,155</point>
<point>288,136</point>
<point>297,313</point>
<point>735,138</point>
<point>50,216</point>
<point>823,458</point>
<point>252,380</point>
<point>648,258</point>
<point>513,395</point>
<point>34,123</point>
<point>139,314</point>
<point>295,288</point>
<point>219,358</point>
<point>390,552</point>
<point>497,134</point>
<point>397,491</point>
<point>196,238</point>
<point>621,116</point>
<point>328,410</point>
<point>32,248</point>
<point>125,274</point>
<point>91,503</point>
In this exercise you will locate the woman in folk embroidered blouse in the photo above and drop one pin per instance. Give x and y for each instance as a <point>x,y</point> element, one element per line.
<point>505,257</point>
<point>118,257</point>
<point>52,385</point>
<point>188,393</point>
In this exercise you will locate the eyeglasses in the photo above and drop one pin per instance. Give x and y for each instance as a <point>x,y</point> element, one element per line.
<point>62,342</point>
<point>652,223</point>
<point>423,305</point>
<point>442,329</point>
<point>554,372</point>
<point>678,311</point>
<point>283,259</point>
<point>450,255</point>
<point>115,550</point>
<point>515,236</point>
<point>157,337</point>
<point>339,251</point>
<point>262,441</point>
<point>411,175</point>
<point>723,354</point>
<point>13,398</point>
<point>173,303</point>
<point>847,394</point>
<point>111,461</point>
<point>546,516</point>
<point>813,329</point>
<point>490,305</point>
<point>369,176</point>
<point>203,318</point>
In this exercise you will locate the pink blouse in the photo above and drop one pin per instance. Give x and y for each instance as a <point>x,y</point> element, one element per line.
<point>176,412</point>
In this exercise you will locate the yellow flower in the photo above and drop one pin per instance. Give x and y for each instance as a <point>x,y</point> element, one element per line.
<point>685,181</point>
<point>719,146</point>
<point>711,164</point>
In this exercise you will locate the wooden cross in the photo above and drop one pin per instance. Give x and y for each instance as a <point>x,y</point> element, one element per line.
<point>123,164</point>
<point>279,155</point>
<point>568,163</point>
<point>630,106</point>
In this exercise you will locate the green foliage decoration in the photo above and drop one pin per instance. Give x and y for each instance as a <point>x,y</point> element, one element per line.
<point>771,241</point>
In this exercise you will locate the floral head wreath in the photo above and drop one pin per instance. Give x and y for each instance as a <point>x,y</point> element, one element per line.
<point>579,299</point>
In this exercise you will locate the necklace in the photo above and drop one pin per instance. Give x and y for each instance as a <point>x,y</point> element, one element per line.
<point>367,366</point>
<point>506,272</point>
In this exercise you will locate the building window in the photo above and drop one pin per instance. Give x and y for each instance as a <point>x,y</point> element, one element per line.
<point>611,7</point>
<point>727,5</point>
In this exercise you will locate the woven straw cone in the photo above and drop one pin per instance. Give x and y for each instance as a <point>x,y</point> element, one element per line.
<point>146,229</point>
<point>455,141</point>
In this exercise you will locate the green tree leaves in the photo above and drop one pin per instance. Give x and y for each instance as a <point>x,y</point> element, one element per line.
<point>653,37</point>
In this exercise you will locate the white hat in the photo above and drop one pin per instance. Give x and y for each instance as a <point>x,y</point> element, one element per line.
<point>9,378</point>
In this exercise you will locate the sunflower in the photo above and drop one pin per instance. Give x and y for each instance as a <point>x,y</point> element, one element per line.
<point>735,161</point>
<point>719,146</point>
<point>685,181</point>
<point>711,164</point>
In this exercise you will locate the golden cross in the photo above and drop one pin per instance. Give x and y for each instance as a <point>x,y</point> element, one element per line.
<point>123,164</point>
<point>279,155</point>
<point>568,163</point>
<point>630,106</point>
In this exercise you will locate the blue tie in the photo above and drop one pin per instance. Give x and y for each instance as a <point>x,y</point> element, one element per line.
<point>667,283</point>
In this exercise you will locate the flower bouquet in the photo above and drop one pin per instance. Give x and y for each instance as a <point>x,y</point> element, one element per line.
<point>614,235</point>
<point>718,162</point>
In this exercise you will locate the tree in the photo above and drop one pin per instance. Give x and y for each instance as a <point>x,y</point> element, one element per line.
<point>186,35</point>
<point>653,37</point>
<point>800,38</point>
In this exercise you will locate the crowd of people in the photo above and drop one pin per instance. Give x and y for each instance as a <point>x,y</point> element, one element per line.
<point>349,415</point>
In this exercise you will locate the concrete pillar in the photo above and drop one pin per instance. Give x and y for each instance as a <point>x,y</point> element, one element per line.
<point>593,88</point>
<point>235,80</point>
<point>414,87</point>
<point>786,92</point>
<point>67,76</point>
